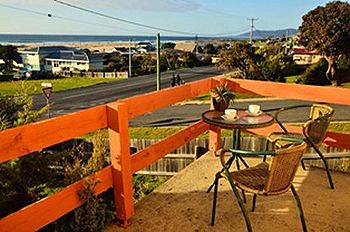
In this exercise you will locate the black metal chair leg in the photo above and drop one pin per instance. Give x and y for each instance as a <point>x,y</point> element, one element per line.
<point>213,184</point>
<point>241,205</point>
<point>300,208</point>
<point>229,163</point>
<point>254,201</point>
<point>302,164</point>
<point>266,147</point>
<point>243,161</point>
<point>326,166</point>
<point>243,193</point>
<point>216,183</point>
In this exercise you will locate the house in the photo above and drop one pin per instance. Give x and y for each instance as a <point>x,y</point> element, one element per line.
<point>145,47</point>
<point>59,58</point>
<point>302,56</point>
<point>186,46</point>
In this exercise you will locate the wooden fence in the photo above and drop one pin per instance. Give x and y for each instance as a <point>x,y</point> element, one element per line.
<point>181,157</point>
<point>23,140</point>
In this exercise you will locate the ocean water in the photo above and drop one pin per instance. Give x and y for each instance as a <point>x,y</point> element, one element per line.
<point>47,39</point>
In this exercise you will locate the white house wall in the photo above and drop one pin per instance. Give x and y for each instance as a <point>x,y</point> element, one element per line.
<point>59,66</point>
<point>31,62</point>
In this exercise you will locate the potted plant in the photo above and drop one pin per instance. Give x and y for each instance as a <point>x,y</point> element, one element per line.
<point>222,97</point>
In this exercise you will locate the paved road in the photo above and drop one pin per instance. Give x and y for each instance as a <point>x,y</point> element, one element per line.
<point>188,113</point>
<point>76,99</point>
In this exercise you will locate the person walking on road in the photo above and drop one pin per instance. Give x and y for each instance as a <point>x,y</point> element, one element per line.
<point>173,80</point>
<point>179,81</point>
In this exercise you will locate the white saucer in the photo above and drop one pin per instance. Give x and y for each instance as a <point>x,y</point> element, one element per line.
<point>229,119</point>
<point>252,114</point>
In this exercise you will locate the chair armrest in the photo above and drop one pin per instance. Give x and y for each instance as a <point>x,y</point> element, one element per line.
<point>288,139</point>
<point>286,109</point>
<point>243,152</point>
<point>252,153</point>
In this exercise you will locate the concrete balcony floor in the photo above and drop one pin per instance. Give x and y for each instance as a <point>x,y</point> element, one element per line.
<point>182,204</point>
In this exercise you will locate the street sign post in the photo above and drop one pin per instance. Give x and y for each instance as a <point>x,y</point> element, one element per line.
<point>47,90</point>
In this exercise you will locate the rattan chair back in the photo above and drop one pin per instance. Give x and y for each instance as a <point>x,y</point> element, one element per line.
<point>316,127</point>
<point>283,168</point>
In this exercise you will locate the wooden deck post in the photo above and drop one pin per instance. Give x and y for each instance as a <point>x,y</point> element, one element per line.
<point>119,142</point>
<point>214,134</point>
<point>214,138</point>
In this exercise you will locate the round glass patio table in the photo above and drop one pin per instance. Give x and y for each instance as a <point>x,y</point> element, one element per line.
<point>243,120</point>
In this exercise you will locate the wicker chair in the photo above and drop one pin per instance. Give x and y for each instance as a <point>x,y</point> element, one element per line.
<point>314,131</point>
<point>264,179</point>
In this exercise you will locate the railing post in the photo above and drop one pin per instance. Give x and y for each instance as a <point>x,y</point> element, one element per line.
<point>214,138</point>
<point>214,134</point>
<point>119,142</point>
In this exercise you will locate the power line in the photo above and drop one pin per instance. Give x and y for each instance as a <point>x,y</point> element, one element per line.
<point>122,20</point>
<point>24,10</point>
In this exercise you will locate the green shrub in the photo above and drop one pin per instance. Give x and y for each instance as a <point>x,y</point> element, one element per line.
<point>143,185</point>
<point>316,74</point>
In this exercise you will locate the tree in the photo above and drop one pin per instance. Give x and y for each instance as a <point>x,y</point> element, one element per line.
<point>327,29</point>
<point>241,55</point>
<point>315,74</point>
<point>148,64</point>
<point>18,110</point>
<point>168,45</point>
<point>189,60</point>
<point>209,49</point>
<point>171,58</point>
<point>9,54</point>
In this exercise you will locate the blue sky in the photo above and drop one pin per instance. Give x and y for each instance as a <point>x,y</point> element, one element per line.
<point>197,16</point>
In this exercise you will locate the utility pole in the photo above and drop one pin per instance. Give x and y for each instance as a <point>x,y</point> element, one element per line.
<point>130,58</point>
<point>251,28</point>
<point>196,38</point>
<point>158,62</point>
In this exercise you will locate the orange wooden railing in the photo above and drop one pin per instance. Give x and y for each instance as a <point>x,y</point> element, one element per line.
<point>23,140</point>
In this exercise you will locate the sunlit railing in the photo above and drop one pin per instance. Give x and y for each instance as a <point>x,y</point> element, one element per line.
<point>26,139</point>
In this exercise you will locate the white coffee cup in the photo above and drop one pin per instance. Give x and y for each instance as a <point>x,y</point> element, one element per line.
<point>254,109</point>
<point>230,113</point>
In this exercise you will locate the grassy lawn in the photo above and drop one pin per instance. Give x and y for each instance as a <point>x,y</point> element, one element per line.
<point>346,85</point>
<point>34,86</point>
<point>292,79</point>
<point>340,127</point>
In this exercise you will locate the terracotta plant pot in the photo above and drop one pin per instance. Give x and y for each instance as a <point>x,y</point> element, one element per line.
<point>221,105</point>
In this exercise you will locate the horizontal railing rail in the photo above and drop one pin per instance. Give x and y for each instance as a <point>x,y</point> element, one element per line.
<point>23,140</point>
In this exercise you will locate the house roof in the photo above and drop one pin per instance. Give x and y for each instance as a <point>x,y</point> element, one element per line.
<point>47,49</point>
<point>64,53</point>
<point>77,55</point>
<point>304,51</point>
<point>185,46</point>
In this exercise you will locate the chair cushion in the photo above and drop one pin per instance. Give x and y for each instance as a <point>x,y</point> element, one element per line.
<point>252,179</point>
<point>284,144</point>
